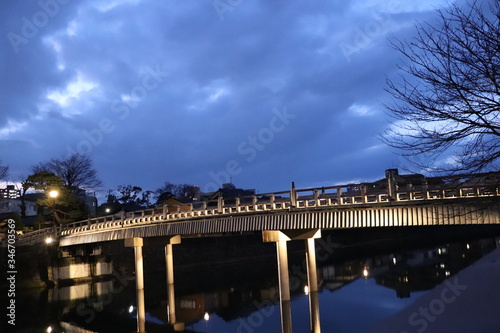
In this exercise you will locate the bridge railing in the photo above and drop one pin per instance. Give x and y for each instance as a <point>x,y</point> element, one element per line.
<point>34,237</point>
<point>340,195</point>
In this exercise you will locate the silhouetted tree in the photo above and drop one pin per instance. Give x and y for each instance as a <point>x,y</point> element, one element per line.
<point>448,99</point>
<point>133,197</point>
<point>76,172</point>
<point>177,191</point>
<point>4,171</point>
<point>66,207</point>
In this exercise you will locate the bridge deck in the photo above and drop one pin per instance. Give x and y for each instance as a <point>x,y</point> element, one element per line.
<point>347,206</point>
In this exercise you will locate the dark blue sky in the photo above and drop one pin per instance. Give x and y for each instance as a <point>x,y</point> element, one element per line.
<point>267,92</point>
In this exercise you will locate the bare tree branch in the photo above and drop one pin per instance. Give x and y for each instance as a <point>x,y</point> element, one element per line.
<point>4,171</point>
<point>447,98</point>
<point>76,171</point>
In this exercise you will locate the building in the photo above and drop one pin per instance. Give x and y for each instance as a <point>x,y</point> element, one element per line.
<point>9,192</point>
<point>228,193</point>
<point>10,202</point>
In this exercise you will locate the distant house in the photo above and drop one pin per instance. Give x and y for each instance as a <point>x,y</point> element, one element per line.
<point>394,182</point>
<point>10,202</point>
<point>174,206</point>
<point>410,181</point>
<point>228,193</point>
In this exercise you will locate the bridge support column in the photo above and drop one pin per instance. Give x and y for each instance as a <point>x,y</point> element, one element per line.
<point>168,242</point>
<point>283,277</point>
<point>169,259</point>
<point>284,285</point>
<point>312,281</point>
<point>137,243</point>
<point>280,237</point>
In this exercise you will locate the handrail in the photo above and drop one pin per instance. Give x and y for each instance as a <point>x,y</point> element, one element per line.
<point>321,197</point>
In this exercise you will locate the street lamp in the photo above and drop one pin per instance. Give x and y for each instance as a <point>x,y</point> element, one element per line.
<point>54,194</point>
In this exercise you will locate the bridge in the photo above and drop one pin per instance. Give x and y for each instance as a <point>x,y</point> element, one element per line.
<point>295,214</point>
<point>458,200</point>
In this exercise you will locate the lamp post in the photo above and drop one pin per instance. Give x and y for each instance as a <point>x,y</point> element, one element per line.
<point>54,194</point>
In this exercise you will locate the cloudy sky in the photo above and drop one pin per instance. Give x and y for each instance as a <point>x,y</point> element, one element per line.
<point>265,91</point>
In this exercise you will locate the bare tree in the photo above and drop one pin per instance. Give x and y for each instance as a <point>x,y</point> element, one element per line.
<point>178,191</point>
<point>448,98</point>
<point>4,171</point>
<point>76,171</point>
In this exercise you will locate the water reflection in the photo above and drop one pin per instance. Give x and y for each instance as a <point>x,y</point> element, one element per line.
<point>375,286</point>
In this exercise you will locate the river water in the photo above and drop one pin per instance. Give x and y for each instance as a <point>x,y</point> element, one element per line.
<point>360,288</point>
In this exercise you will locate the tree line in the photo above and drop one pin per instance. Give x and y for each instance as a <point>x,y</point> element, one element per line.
<point>61,187</point>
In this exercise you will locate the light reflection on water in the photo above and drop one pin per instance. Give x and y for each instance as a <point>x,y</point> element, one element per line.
<point>354,295</point>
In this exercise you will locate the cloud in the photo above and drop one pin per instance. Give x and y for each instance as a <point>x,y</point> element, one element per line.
<point>85,81</point>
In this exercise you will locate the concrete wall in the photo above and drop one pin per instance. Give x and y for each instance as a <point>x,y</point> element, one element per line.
<point>84,267</point>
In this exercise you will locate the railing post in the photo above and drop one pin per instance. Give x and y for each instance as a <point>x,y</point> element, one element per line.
<point>339,195</point>
<point>293,196</point>
<point>316,197</point>
<point>391,184</point>
<point>425,188</point>
<point>363,193</point>
<point>272,199</point>
<point>220,204</point>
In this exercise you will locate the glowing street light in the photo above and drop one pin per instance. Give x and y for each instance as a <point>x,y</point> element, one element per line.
<point>53,194</point>
<point>49,240</point>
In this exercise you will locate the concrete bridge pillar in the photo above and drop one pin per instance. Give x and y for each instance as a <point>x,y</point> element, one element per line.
<point>312,281</point>
<point>137,244</point>
<point>280,237</point>
<point>169,260</point>
<point>168,242</point>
